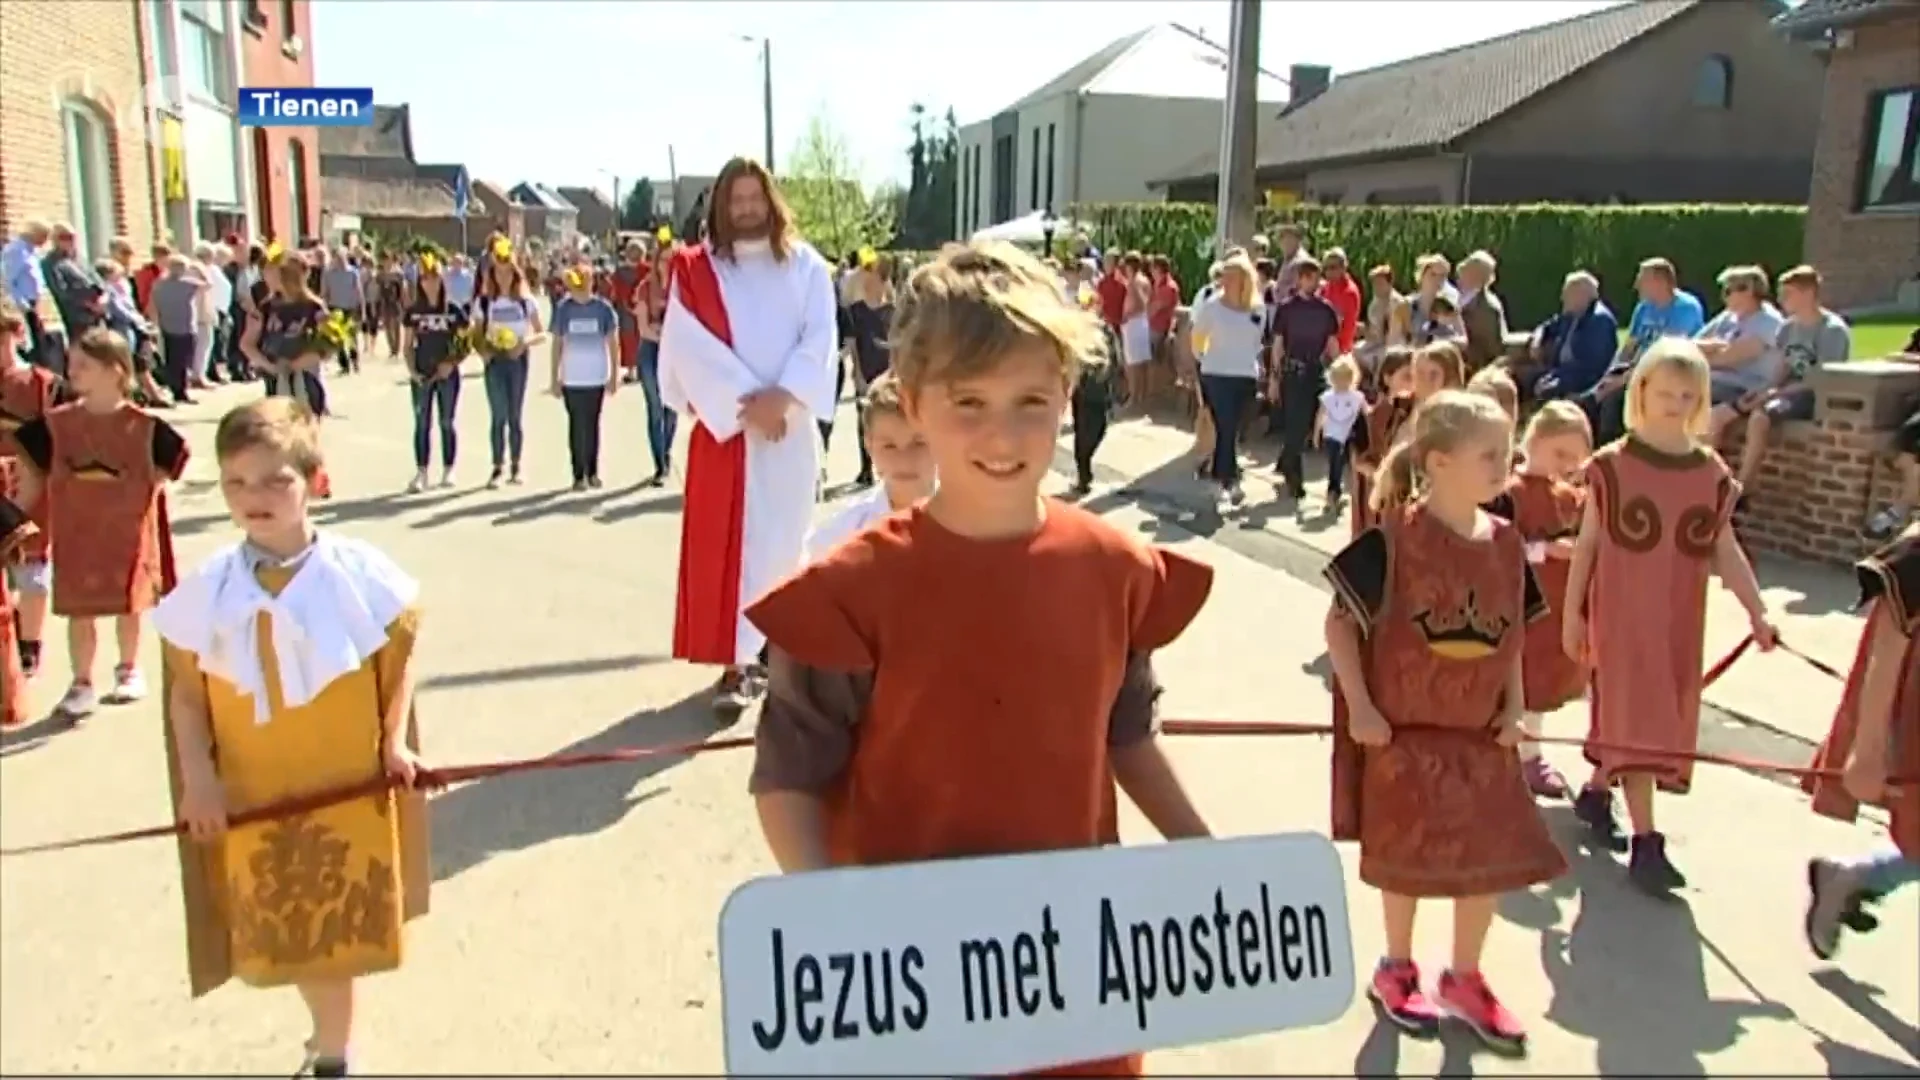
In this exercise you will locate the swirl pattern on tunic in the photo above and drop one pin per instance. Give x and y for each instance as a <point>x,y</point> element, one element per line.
<point>1634,523</point>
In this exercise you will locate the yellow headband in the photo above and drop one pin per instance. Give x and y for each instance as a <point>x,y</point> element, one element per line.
<point>576,280</point>
<point>503,249</point>
<point>665,235</point>
<point>274,251</point>
<point>868,256</point>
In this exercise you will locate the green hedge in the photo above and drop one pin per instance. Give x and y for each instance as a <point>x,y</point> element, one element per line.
<point>1537,245</point>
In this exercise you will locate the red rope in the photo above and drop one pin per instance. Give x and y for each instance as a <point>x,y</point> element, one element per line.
<point>442,778</point>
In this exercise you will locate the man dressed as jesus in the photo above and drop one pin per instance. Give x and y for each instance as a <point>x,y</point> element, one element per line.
<point>747,349</point>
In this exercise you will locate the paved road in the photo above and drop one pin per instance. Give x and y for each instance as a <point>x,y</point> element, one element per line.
<point>574,912</point>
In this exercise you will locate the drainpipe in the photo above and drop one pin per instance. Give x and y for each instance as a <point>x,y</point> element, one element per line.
<point>1466,179</point>
<point>149,123</point>
<point>242,147</point>
<point>1079,146</point>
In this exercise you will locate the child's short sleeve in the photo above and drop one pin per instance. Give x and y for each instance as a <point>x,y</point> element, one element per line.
<point>1177,587</point>
<point>14,527</point>
<point>1358,575</point>
<point>169,449</point>
<point>814,615</point>
<point>1891,576</point>
<point>35,438</point>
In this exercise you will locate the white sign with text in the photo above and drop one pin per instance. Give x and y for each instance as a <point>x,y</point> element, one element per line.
<point>971,967</point>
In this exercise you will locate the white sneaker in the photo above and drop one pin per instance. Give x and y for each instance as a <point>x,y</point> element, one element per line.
<point>79,702</point>
<point>419,483</point>
<point>128,686</point>
<point>446,478</point>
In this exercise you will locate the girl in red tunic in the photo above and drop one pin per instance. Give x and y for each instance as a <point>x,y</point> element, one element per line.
<point>27,391</point>
<point>1426,636</point>
<point>880,742</point>
<point>1545,505</point>
<point>1373,437</point>
<point>1875,733</point>
<point>1436,367</point>
<point>1656,524</point>
<point>104,464</point>
<point>15,529</point>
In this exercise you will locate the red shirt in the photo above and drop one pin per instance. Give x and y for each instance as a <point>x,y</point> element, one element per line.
<point>143,280</point>
<point>1344,295</point>
<point>1113,299</point>
<point>1163,299</point>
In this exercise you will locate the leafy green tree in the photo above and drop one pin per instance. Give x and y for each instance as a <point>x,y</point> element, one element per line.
<point>830,208</point>
<point>636,210</point>
<point>933,170</point>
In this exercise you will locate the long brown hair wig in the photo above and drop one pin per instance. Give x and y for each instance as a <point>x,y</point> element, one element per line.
<point>780,233</point>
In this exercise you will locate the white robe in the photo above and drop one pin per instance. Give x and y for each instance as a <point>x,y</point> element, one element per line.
<point>782,319</point>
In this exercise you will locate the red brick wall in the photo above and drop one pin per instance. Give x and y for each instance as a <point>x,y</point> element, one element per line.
<point>263,56</point>
<point>1863,257</point>
<point>57,50</point>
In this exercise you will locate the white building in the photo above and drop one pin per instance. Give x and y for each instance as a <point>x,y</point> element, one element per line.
<point>193,51</point>
<point>1101,131</point>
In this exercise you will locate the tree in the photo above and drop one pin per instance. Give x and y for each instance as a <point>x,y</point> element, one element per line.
<point>933,170</point>
<point>636,211</point>
<point>830,208</point>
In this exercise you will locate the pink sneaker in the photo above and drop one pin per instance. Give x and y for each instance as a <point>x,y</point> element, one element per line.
<point>1466,998</point>
<point>1543,779</point>
<point>1395,989</point>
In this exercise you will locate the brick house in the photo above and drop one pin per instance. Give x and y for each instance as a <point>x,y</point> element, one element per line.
<point>598,218</point>
<point>370,173</point>
<point>71,73</point>
<point>1863,213</point>
<point>276,49</point>
<point>1654,101</point>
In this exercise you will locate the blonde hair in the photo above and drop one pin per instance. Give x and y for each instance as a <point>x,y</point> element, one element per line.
<point>1344,365</point>
<point>1448,357</point>
<point>1498,385</point>
<point>1684,359</point>
<point>104,346</point>
<point>1446,422</point>
<point>1427,262</point>
<point>1239,298</point>
<point>883,398</point>
<point>1482,260</point>
<point>281,425</point>
<point>964,312</point>
<point>1557,419</point>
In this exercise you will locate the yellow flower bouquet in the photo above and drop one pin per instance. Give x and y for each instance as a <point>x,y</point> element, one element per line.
<point>502,340</point>
<point>332,335</point>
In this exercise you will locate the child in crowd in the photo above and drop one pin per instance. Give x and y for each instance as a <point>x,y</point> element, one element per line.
<point>1426,636</point>
<point>586,369</point>
<point>1875,734</point>
<point>259,712</point>
<point>1498,385</point>
<point>880,743</point>
<point>1544,503</point>
<point>900,459</point>
<point>1656,525</point>
<point>1906,448</point>
<point>27,391</point>
<point>16,528</point>
<point>104,464</point>
<point>1341,408</point>
<point>1436,367</point>
<point>1392,406</point>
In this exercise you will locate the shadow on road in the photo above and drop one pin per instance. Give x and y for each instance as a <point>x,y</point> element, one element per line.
<point>492,817</point>
<point>668,504</point>
<point>525,672</point>
<point>1864,999</point>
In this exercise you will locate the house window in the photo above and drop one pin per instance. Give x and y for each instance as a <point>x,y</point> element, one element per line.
<point>89,175</point>
<point>1890,169</point>
<point>203,36</point>
<point>165,58</point>
<point>1033,174</point>
<point>1713,83</point>
<point>1049,166</point>
<point>1005,195</point>
<point>302,224</point>
<point>289,25</point>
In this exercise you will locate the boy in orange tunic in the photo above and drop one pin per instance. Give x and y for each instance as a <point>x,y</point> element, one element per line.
<point>27,391</point>
<point>105,464</point>
<point>885,741</point>
<point>1876,733</point>
<point>15,529</point>
<point>1426,636</point>
<point>1658,522</point>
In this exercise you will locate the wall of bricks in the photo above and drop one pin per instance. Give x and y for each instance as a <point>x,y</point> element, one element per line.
<point>1863,257</point>
<point>56,50</point>
<point>263,55</point>
<point>1823,477</point>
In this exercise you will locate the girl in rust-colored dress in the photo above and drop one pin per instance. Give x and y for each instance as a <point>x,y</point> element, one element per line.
<point>27,391</point>
<point>1436,367</point>
<point>1391,404</point>
<point>880,742</point>
<point>1426,637</point>
<point>1657,523</point>
<point>1875,734</point>
<point>1544,504</point>
<point>105,465</point>
<point>15,529</point>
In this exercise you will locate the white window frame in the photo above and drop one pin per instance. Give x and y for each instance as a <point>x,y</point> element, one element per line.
<point>204,28</point>
<point>81,123</point>
<point>1877,105</point>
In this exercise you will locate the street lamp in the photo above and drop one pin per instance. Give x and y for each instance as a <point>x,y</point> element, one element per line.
<point>1048,223</point>
<point>766,89</point>
<point>618,209</point>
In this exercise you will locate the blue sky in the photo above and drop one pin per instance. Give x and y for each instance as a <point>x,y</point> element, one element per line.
<point>599,87</point>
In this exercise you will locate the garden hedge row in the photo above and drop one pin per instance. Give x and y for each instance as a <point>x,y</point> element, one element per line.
<point>1537,245</point>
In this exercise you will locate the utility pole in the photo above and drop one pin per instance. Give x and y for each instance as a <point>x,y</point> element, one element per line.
<point>673,189</point>
<point>1239,127</point>
<point>766,94</point>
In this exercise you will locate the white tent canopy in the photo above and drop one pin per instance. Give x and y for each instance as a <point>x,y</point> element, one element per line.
<point>1030,229</point>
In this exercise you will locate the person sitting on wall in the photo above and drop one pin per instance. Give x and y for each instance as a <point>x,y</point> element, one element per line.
<point>1570,352</point>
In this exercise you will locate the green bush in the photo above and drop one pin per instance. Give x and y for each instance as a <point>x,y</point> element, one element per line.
<point>1537,245</point>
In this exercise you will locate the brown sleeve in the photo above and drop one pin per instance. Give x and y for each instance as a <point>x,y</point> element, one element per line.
<point>806,732</point>
<point>1892,577</point>
<point>15,528</point>
<point>1136,708</point>
<point>814,615</point>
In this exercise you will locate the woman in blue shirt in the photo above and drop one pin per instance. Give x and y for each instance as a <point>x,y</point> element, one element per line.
<point>509,319</point>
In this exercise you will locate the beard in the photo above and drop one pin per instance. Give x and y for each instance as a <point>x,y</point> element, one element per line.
<point>758,227</point>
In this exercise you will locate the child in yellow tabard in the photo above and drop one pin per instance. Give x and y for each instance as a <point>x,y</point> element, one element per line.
<point>289,673</point>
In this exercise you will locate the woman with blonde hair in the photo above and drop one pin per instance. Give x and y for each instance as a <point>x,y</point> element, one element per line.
<point>1227,329</point>
<point>509,319</point>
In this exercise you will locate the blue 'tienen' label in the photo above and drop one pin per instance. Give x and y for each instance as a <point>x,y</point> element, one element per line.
<point>302,106</point>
